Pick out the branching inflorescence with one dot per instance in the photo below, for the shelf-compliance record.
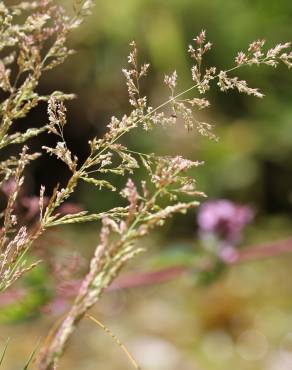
(39, 45)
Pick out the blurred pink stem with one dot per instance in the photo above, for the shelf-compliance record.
(267, 250)
(134, 280)
(248, 254)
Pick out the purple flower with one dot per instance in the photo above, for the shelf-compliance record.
(224, 220)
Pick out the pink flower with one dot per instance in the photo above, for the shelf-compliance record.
(224, 220)
(32, 206)
(8, 187)
(69, 208)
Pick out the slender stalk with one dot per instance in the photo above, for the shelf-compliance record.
(58, 338)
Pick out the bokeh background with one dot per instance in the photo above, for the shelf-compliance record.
(243, 319)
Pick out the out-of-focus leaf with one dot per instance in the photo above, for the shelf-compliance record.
(179, 254)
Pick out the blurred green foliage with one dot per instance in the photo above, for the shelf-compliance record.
(36, 295)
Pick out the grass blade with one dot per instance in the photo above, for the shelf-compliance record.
(116, 339)
(4, 351)
(31, 357)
